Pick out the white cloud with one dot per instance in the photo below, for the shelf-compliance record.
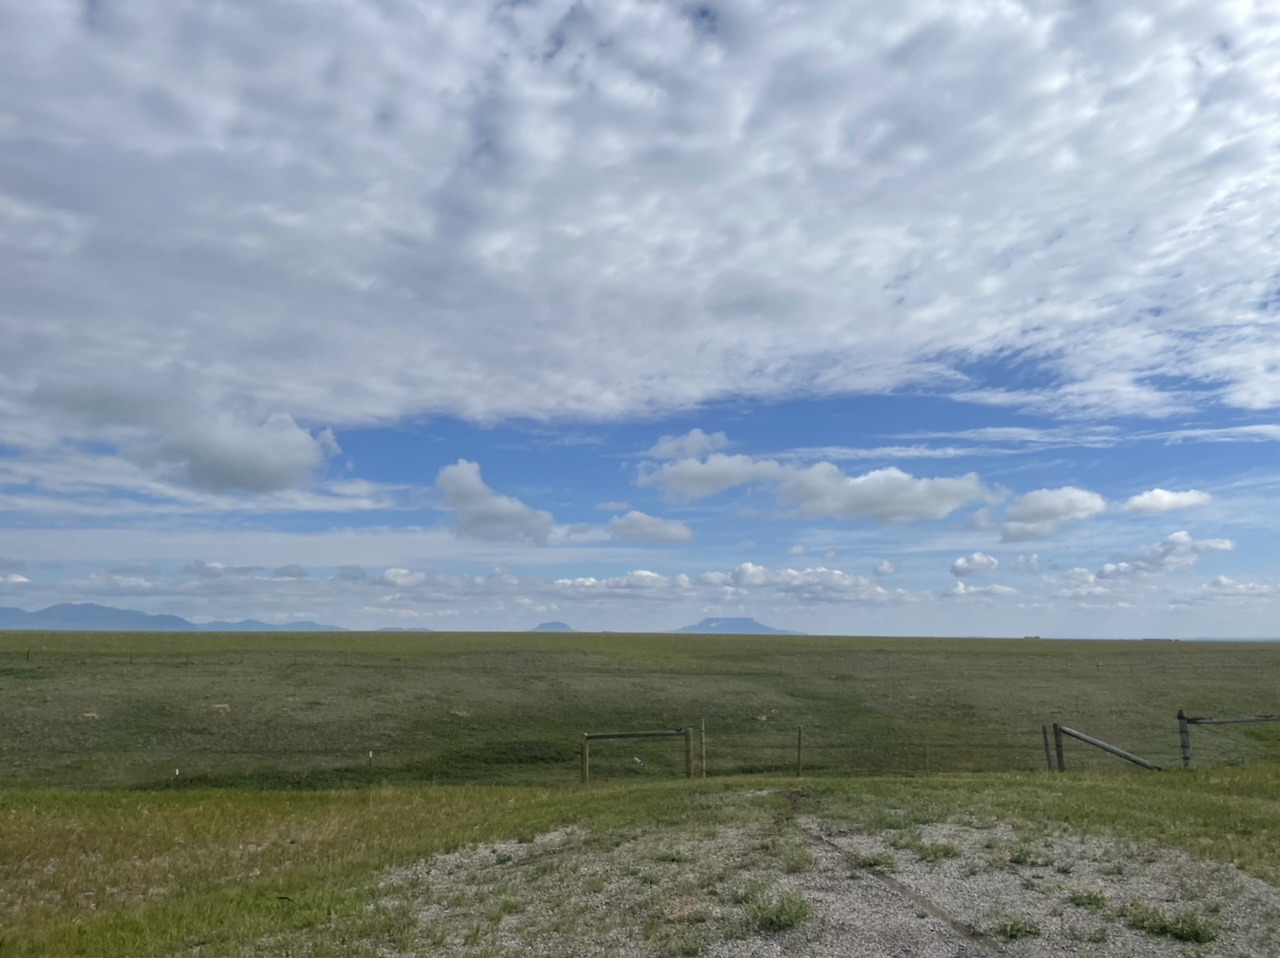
(1162, 500)
(821, 490)
(1225, 587)
(886, 495)
(976, 564)
(1037, 514)
(691, 479)
(13, 578)
(1077, 583)
(884, 568)
(638, 527)
(1176, 551)
(797, 550)
(692, 445)
(217, 570)
(962, 589)
(484, 514)
(1029, 563)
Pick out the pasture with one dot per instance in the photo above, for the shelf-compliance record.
(305, 710)
(924, 807)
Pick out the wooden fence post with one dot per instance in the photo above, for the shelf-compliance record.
(1048, 759)
(1184, 736)
(688, 752)
(1057, 742)
(704, 748)
(799, 749)
(586, 758)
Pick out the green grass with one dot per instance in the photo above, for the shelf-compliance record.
(1012, 929)
(304, 710)
(1090, 900)
(772, 915)
(278, 821)
(1184, 926)
(152, 873)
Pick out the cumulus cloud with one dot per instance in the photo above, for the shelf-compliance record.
(886, 495)
(291, 572)
(821, 490)
(963, 589)
(975, 564)
(216, 570)
(1076, 583)
(1223, 586)
(1176, 551)
(691, 479)
(1038, 514)
(884, 568)
(223, 454)
(163, 425)
(692, 445)
(13, 578)
(484, 514)
(1029, 563)
(638, 527)
(1162, 500)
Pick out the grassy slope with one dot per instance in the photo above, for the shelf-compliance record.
(144, 873)
(305, 709)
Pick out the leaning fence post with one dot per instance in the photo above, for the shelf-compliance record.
(1048, 759)
(1184, 735)
(1057, 742)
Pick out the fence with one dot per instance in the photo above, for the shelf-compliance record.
(279, 717)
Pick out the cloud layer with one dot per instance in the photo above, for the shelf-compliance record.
(605, 210)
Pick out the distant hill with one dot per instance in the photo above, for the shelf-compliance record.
(253, 625)
(401, 628)
(553, 627)
(90, 617)
(732, 626)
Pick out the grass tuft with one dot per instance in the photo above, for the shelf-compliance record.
(1184, 926)
(786, 911)
(1011, 929)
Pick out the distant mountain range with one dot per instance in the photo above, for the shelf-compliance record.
(88, 617)
(733, 627)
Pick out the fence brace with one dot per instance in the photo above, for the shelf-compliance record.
(1060, 730)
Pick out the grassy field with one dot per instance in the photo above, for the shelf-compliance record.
(271, 837)
(305, 710)
(144, 873)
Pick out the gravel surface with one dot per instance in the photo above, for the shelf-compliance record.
(937, 891)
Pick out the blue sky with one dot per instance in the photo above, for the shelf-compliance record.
(917, 318)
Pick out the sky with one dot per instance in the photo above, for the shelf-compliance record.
(928, 318)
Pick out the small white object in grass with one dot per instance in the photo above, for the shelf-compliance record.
(638, 762)
(175, 773)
